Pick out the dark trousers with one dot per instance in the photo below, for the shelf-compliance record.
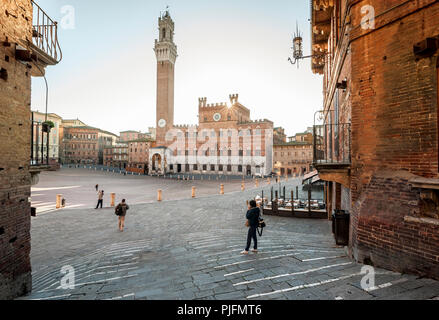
(100, 202)
(252, 234)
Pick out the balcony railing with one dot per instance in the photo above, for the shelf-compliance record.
(332, 144)
(45, 36)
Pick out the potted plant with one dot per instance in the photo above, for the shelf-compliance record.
(47, 125)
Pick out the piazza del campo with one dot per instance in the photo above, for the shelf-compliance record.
(347, 202)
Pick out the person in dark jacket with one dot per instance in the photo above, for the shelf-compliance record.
(252, 216)
(121, 211)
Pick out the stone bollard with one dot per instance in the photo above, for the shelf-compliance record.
(286, 177)
(112, 199)
(222, 189)
(269, 181)
(159, 195)
(257, 183)
(242, 186)
(193, 192)
(58, 201)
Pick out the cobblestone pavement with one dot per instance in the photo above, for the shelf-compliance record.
(78, 188)
(190, 249)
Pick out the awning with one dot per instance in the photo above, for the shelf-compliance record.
(311, 178)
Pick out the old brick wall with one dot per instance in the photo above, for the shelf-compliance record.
(15, 179)
(394, 127)
(385, 236)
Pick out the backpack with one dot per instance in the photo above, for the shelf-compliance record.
(118, 210)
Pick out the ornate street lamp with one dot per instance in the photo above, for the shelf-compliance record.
(298, 49)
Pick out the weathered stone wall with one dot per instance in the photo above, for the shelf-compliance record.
(15, 179)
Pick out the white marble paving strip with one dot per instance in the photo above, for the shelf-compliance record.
(303, 286)
(323, 258)
(292, 274)
(248, 261)
(269, 252)
(122, 297)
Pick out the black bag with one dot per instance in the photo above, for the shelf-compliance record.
(118, 210)
(261, 226)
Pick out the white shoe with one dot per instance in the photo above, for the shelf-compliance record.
(255, 251)
(244, 252)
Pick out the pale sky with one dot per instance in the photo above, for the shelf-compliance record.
(107, 77)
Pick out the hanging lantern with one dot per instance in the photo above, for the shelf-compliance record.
(297, 47)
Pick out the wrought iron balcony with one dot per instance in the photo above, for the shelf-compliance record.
(44, 45)
(332, 145)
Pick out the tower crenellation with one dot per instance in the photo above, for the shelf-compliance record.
(233, 98)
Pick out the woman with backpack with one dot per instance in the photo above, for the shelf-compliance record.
(121, 211)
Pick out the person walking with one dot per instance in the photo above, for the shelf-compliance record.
(121, 212)
(100, 199)
(252, 216)
(97, 187)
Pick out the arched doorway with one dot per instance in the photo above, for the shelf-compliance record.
(156, 163)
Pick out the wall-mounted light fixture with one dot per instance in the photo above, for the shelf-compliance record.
(342, 85)
(298, 49)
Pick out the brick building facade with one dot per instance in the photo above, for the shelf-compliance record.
(21, 57)
(225, 141)
(80, 145)
(377, 146)
(138, 155)
(293, 158)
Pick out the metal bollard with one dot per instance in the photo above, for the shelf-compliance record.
(159, 195)
(58, 201)
(222, 189)
(193, 192)
(112, 199)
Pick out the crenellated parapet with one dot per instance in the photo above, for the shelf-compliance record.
(182, 126)
(233, 98)
(257, 121)
(202, 102)
(217, 105)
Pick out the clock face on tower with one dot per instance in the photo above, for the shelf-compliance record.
(217, 117)
(162, 123)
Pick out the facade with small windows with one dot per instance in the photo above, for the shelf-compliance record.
(131, 135)
(80, 145)
(138, 155)
(116, 156)
(294, 158)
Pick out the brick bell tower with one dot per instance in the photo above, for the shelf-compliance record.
(166, 53)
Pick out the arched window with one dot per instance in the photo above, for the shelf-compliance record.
(163, 33)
